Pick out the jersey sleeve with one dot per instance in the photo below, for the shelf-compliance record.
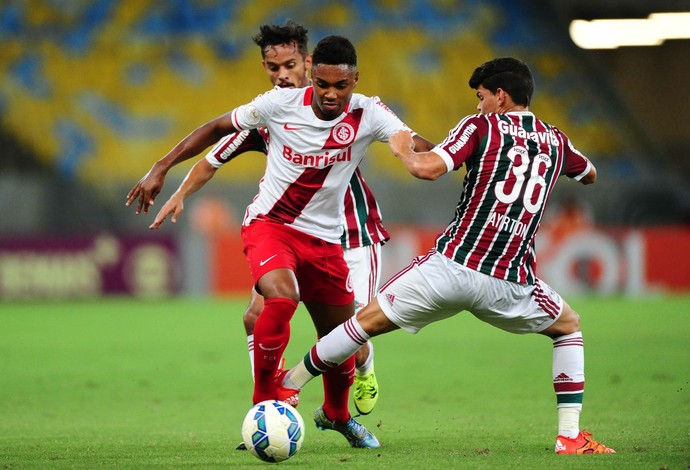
(236, 144)
(576, 165)
(462, 141)
(385, 122)
(255, 114)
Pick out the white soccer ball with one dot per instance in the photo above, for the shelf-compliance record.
(273, 431)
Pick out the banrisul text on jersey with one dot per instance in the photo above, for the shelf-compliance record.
(326, 159)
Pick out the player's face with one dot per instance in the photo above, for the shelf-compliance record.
(333, 86)
(286, 67)
(488, 102)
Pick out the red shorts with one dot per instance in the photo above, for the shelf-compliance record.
(320, 268)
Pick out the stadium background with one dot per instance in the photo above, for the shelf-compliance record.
(93, 92)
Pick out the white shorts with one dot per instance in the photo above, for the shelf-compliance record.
(435, 287)
(365, 272)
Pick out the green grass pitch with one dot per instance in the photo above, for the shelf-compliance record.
(166, 383)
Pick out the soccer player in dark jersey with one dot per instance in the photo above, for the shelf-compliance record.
(286, 61)
(484, 261)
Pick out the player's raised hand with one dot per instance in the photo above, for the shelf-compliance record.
(173, 206)
(146, 190)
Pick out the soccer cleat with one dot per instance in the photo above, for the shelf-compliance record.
(356, 434)
(366, 392)
(582, 444)
(284, 394)
(241, 446)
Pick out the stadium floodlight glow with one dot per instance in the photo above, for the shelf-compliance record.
(672, 25)
(613, 33)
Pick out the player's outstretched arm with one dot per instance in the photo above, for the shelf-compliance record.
(424, 165)
(198, 176)
(148, 187)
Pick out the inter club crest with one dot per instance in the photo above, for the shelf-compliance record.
(343, 133)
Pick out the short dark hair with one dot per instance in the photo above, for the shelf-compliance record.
(508, 73)
(276, 35)
(334, 50)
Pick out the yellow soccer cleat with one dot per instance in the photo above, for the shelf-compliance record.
(366, 392)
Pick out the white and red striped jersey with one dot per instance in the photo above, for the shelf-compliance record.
(513, 161)
(362, 216)
(311, 162)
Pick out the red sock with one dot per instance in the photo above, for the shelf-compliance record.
(336, 387)
(271, 336)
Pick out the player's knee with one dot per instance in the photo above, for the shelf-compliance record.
(566, 324)
(373, 321)
(576, 322)
(571, 321)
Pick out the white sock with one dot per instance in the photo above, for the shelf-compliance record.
(368, 365)
(297, 377)
(569, 381)
(250, 346)
(569, 421)
(341, 343)
(331, 350)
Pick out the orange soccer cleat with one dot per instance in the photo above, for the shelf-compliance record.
(582, 444)
(284, 394)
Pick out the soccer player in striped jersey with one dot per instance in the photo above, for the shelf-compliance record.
(285, 59)
(484, 261)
